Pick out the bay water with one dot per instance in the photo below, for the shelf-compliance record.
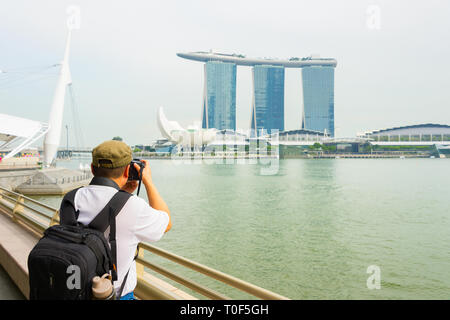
(316, 229)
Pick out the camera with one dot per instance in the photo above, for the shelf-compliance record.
(133, 174)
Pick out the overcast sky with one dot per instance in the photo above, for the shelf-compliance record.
(124, 64)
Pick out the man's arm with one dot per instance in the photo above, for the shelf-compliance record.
(154, 198)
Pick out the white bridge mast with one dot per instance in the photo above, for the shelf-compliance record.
(53, 136)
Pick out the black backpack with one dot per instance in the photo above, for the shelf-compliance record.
(65, 260)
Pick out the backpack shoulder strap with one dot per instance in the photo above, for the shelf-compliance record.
(107, 217)
(101, 222)
(67, 213)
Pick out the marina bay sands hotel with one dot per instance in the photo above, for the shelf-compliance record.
(267, 110)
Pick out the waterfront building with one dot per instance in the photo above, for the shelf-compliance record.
(268, 93)
(300, 136)
(219, 98)
(18, 134)
(423, 134)
(267, 111)
(318, 99)
(175, 134)
(163, 146)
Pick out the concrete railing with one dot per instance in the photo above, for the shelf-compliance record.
(19, 163)
(37, 216)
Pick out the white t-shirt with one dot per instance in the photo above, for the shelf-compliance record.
(136, 222)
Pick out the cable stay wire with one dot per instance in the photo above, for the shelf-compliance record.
(15, 77)
(79, 138)
(7, 78)
(33, 69)
(24, 82)
(9, 71)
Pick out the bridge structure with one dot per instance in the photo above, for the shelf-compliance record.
(63, 152)
(18, 134)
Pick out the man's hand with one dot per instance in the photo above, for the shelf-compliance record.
(146, 173)
(130, 186)
(154, 198)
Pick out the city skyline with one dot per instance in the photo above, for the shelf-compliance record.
(123, 62)
(268, 87)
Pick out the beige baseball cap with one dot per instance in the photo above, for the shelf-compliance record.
(111, 154)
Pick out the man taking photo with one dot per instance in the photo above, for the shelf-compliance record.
(138, 221)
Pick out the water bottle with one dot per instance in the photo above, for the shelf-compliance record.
(102, 288)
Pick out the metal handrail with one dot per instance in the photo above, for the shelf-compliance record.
(27, 206)
(28, 199)
(187, 283)
(223, 277)
(14, 204)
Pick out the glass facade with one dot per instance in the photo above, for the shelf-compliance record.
(268, 103)
(318, 99)
(219, 100)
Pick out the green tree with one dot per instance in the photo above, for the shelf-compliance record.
(117, 138)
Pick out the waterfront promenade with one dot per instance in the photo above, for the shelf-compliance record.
(8, 289)
(23, 221)
(311, 230)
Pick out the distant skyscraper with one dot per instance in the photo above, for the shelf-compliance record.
(219, 97)
(268, 98)
(318, 98)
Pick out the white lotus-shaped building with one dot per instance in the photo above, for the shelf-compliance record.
(175, 133)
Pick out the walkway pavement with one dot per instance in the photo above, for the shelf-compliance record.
(8, 290)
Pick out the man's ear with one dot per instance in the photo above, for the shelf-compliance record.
(92, 169)
(126, 172)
